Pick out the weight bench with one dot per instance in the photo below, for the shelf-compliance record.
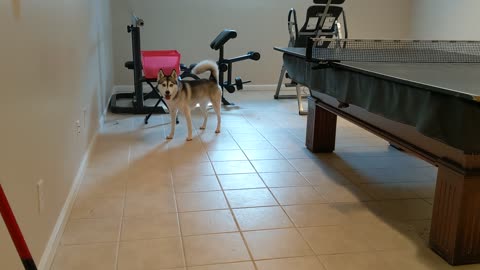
(322, 20)
(225, 64)
(137, 98)
(145, 66)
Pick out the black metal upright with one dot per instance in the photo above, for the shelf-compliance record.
(136, 104)
(137, 64)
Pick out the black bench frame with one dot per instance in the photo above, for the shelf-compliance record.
(226, 64)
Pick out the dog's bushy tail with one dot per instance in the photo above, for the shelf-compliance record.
(207, 65)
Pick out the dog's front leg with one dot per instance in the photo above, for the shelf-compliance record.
(188, 117)
(173, 124)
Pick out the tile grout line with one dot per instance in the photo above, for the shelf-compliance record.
(297, 229)
(117, 252)
(231, 210)
(278, 203)
(178, 221)
(283, 209)
(250, 254)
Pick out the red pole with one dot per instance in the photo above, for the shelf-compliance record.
(15, 232)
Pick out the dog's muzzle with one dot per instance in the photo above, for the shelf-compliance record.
(167, 95)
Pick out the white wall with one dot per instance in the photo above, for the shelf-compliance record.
(190, 25)
(56, 60)
(444, 19)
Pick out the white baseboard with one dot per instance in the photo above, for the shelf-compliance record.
(247, 87)
(267, 87)
(103, 116)
(101, 121)
(128, 89)
(46, 260)
(259, 87)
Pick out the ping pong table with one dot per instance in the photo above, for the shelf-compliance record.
(429, 109)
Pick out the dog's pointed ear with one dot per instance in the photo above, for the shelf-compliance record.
(161, 74)
(174, 73)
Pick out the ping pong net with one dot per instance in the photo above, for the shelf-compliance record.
(399, 51)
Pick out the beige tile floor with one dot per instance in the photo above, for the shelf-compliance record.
(250, 198)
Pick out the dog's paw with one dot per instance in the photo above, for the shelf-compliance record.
(203, 128)
(189, 139)
(169, 137)
(217, 131)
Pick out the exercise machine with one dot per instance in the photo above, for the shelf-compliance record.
(226, 64)
(136, 100)
(322, 20)
(145, 66)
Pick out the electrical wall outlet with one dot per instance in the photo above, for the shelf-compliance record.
(41, 195)
(78, 127)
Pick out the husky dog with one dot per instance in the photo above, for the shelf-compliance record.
(185, 95)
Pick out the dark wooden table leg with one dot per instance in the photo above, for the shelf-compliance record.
(321, 128)
(455, 231)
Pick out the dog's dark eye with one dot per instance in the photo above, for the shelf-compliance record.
(171, 85)
(164, 85)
